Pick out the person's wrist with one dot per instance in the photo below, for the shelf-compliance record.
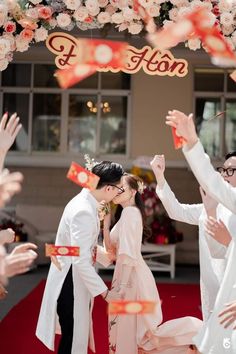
(104, 295)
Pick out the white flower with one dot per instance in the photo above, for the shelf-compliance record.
(52, 23)
(180, 3)
(40, 34)
(173, 14)
(153, 10)
(122, 27)
(114, 3)
(230, 43)
(4, 46)
(225, 5)
(11, 40)
(63, 20)
(81, 14)
(102, 3)
(135, 28)
(122, 4)
(128, 14)
(21, 44)
(194, 43)
(104, 17)
(117, 18)
(92, 6)
(3, 64)
(32, 12)
(196, 4)
(233, 38)
(146, 3)
(110, 9)
(226, 19)
(167, 23)
(35, 2)
(94, 12)
(227, 30)
(183, 11)
(72, 4)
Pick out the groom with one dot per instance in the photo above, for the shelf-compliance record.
(68, 293)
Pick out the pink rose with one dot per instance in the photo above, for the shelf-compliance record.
(45, 12)
(27, 34)
(104, 17)
(10, 27)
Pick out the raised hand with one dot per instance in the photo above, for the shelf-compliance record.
(184, 126)
(158, 167)
(24, 248)
(9, 128)
(218, 231)
(7, 236)
(210, 204)
(18, 263)
(10, 184)
(228, 316)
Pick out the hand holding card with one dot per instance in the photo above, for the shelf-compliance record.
(179, 141)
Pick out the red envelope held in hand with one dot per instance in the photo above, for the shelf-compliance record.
(179, 141)
(82, 177)
(123, 307)
(52, 250)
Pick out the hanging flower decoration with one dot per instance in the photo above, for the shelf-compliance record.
(23, 22)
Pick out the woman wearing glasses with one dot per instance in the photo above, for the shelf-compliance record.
(132, 334)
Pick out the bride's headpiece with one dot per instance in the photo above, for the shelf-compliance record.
(141, 186)
(90, 163)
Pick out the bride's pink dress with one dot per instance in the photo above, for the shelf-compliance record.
(143, 334)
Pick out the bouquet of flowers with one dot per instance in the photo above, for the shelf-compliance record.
(162, 227)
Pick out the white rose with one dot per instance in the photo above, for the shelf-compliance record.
(146, 3)
(5, 46)
(3, 9)
(135, 28)
(40, 34)
(117, 18)
(122, 4)
(225, 5)
(63, 20)
(102, 3)
(226, 19)
(94, 12)
(227, 30)
(11, 40)
(52, 22)
(104, 17)
(114, 3)
(81, 14)
(32, 13)
(128, 14)
(233, 38)
(3, 64)
(92, 6)
(72, 4)
(3, 19)
(153, 10)
(195, 4)
(183, 11)
(110, 9)
(35, 2)
(122, 27)
(173, 14)
(194, 43)
(21, 44)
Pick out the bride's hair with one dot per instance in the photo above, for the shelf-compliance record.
(137, 184)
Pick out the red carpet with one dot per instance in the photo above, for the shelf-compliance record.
(18, 327)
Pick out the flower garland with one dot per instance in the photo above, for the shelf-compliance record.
(23, 22)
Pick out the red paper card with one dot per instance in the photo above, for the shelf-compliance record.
(179, 141)
(123, 307)
(82, 177)
(74, 74)
(102, 53)
(52, 250)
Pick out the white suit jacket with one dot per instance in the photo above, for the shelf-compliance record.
(79, 226)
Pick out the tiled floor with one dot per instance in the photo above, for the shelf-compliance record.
(21, 285)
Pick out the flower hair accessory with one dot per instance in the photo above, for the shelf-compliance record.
(141, 187)
(90, 163)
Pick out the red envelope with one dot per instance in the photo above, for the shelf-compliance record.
(102, 53)
(74, 74)
(123, 307)
(179, 141)
(82, 177)
(52, 250)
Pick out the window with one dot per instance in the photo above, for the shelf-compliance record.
(215, 92)
(91, 117)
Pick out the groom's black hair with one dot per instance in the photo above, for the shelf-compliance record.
(109, 173)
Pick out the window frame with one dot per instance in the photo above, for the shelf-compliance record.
(63, 157)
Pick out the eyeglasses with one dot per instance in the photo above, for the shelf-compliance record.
(121, 190)
(229, 171)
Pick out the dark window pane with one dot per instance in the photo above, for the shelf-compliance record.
(90, 83)
(230, 129)
(209, 80)
(113, 125)
(82, 124)
(17, 75)
(116, 81)
(208, 129)
(46, 122)
(44, 75)
(231, 84)
(17, 102)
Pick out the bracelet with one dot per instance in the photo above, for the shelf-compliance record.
(106, 295)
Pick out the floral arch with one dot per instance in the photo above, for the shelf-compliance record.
(24, 22)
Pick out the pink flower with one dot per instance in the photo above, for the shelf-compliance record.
(104, 17)
(81, 14)
(102, 3)
(45, 12)
(153, 10)
(135, 28)
(128, 14)
(226, 19)
(194, 43)
(110, 9)
(32, 13)
(72, 4)
(10, 27)
(4, 46)
(92, 6)
(3, 64)
(21, 44)
(117, 18)
(40, 34)
(27, 34)
(63, 20)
